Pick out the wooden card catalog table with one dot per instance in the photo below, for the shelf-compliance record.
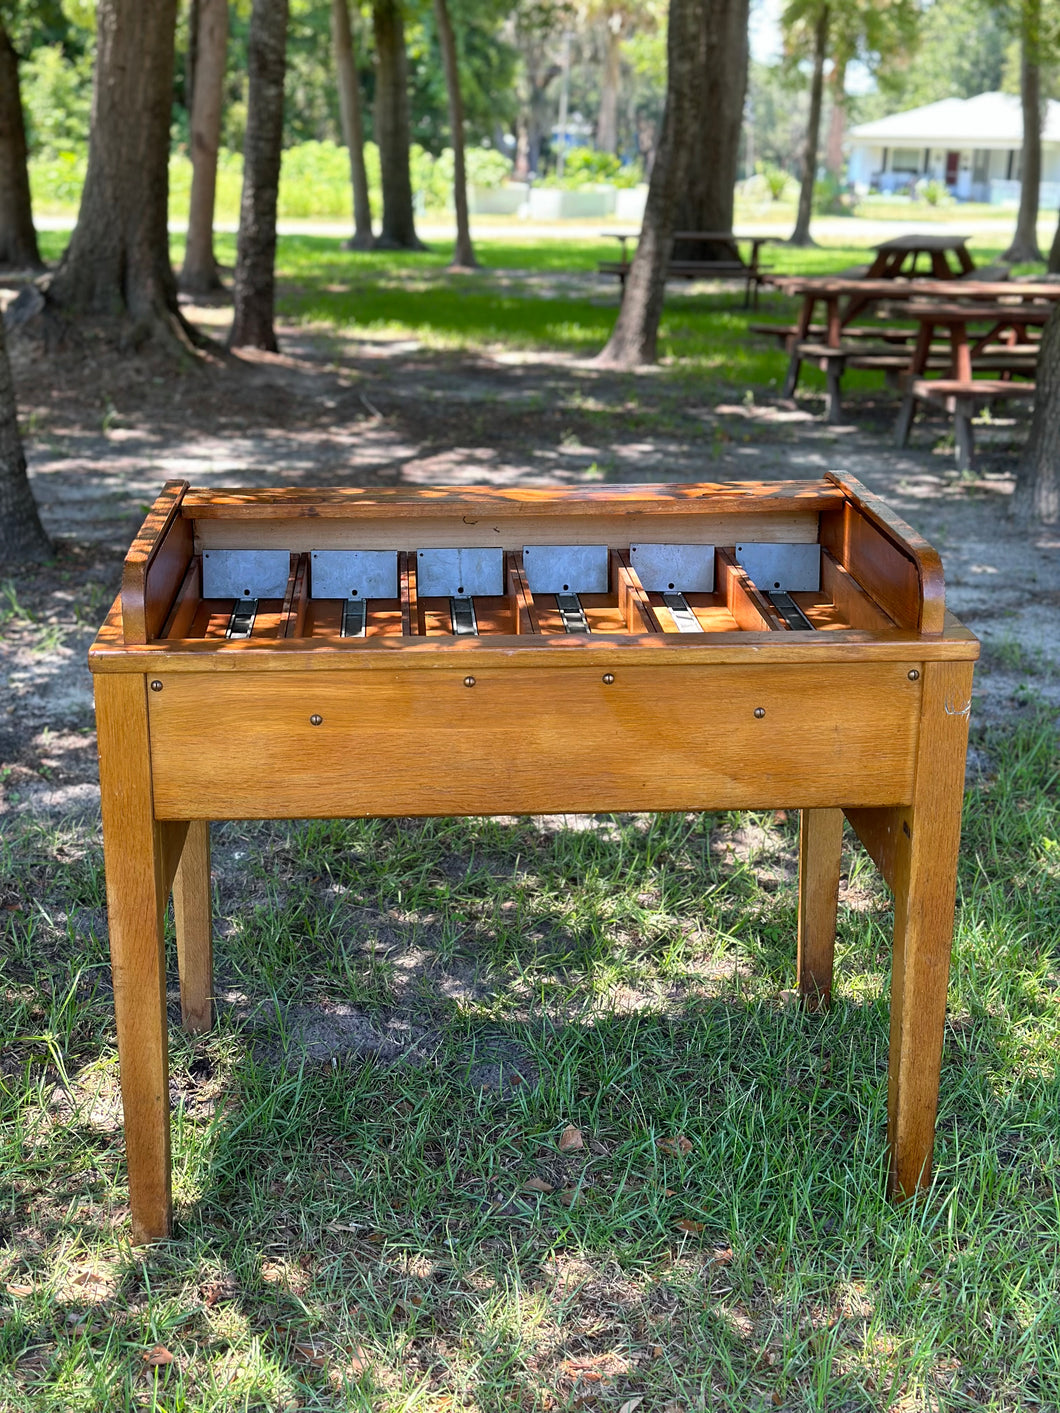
(285, 653)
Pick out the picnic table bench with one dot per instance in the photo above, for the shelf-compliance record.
(700, 255)
(959, 391)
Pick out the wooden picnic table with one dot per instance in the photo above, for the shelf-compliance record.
(958, 389)
(899, 255)
(723, 262)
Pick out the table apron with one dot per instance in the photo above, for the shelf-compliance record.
(532, 741)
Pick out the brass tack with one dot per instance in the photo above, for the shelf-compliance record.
(315, 720)
(608, 678)
(760, 712)
(913, 674)
(469, 681)
(156, 685)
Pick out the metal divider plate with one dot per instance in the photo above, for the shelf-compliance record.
(355, 618)
(353, 574)
(245, 574)
(794, 568)
(566, 569)
(684, 569)
(685, 621)
(459, 573)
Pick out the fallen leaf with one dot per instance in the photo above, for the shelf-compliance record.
(157, 1357)
(18, 1290)
(570, 1140)
(722, 1256)
(789, 998)
(271, 1272)
(536, 1184)
(358, 1359)
(631, 1404)
(569, 1196)
(404, 1108)
(312, 1355)
(678, 1146)
(600, 1149)
(686, 1224)
(777, 1399)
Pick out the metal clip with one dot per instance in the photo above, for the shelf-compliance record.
(241, 623)
(685, 621)
(355, 619)
(462, 614)
(572, 614)
(789, 610)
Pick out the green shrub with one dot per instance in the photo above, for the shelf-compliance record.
(775, 178)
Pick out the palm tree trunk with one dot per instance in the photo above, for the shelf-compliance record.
(200, 274)
(634, 337)
(607, 121)
(255, 282)
(22, 536)
(1025, 242)
(392, 127)
(352, 123)
(18, 239)
(464, 254)
(1037, 493)
(801, 234)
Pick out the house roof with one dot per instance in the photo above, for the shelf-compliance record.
(988, 120)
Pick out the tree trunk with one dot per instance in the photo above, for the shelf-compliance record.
(200, 274)
(255, 281)
(464, 254)
(1054, 253)
(117, 262)
(352, 123)
(801, 234)
(1037, 494)
(392, 128)
(1025, 242)
(715, 127)
(633, 339)
(18, 239)
(607, 120)
(833, 146)
(22, 536)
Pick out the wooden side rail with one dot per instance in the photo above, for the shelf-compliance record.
(156, 565)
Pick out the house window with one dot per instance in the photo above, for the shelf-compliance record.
(906, 159)
(980, 165)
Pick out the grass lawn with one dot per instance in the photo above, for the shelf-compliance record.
(518, 1114)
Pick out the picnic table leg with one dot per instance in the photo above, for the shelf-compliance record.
(834, 378)
(192, 914)
(820, 849)
(140, 854)
(963, 435)
(906, 413)
(926, 836)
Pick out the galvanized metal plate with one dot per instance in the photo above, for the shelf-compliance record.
(688, 569)
(796, 568)
(566, 569)
(459, 573)
(245, 574)
(353, 574)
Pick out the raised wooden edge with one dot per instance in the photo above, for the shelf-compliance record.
(925, 557)
(373, 501)
(149, 539)
(110, 654)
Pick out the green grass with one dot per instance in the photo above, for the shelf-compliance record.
(355, 1232)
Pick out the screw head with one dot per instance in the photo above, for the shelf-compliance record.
(760, 712)
(469, 681)
(913, 675)
(156, 685)
(315, 720)
(608, 678)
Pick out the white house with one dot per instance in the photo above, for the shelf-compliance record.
(974, 145)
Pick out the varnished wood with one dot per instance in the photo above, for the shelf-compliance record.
(656, 738)
(925, 873)
(193, 917)
(820, 849)
(133, 853)
(524, 718)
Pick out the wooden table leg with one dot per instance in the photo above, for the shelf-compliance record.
(194, 924)
(137, 853)
(925, 844)
(820, 846)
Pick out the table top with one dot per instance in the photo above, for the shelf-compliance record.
(952, 313)
(835, 286)
(915, 241)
